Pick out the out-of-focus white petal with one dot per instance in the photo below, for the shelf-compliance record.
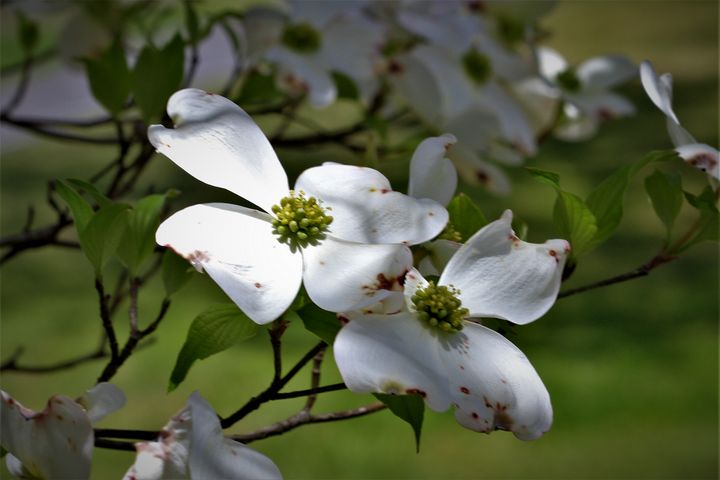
(262, 28)
(54, 443)
(214, 456)
(15, 467)
(431, 174)
(150, 463)
(448, 31)
(501, 276)
(550, 63)
(476, 128)
(101, 400)
(415, 83)
(478, 172)
(514, 124)
(215, 141)
(701, 156)
(659, 89)
(576, 126)
(441, 251)
(506, 64)
(487, 379)
(305, 74)
(540, 102)
(602, 73)
(351, 45)
(236, 247)
(603, 105)
(322, 13)
(342, 276)
(366, 209)
(678, 135)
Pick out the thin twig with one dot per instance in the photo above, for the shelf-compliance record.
(106, 320)
(12, 365)
(314, 380)
(311, 393)
(56, 134)
(22, 85)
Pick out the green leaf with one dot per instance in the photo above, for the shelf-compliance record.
(543, 176)
(28, 32)
(708, 225)
(213, 331)
(138, 241)
(100, 238)
(158, 73)
(575, 222)
(345, 85)
(191, 21)
(410, 408)
(465, 216)
(320, 322)
(606, 203)
(666, 195)
(258, 88)
(90, 189)
(176, 272)
(81, 210)
(109, 78)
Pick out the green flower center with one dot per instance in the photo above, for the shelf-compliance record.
(449, 233)
(300, 221)
(510, 30)
(301, 37)
(477, 66)
(439, 307)
(569, 81)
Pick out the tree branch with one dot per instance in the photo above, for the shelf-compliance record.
(311, 392)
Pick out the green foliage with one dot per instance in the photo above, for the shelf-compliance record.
(213, 331)
(320, 322)
(666, 195)
(548, 178)
(100, 238)
(28, 33)
(465, 216)
(109, 78)
(257, 89)
(708, 225)
(410, 408)
(84, 187)
(158, 73)
(575, 222)
(81, 210)
(191, 21)
(138, 242)
(176, 272)
(346, 87)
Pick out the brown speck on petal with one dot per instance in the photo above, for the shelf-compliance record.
(465, 390)
(258, 285)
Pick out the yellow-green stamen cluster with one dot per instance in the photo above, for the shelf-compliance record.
(569, 81)
(449, 233)
(301, 37)
(300, 221)
(439, 307)
(477, 66)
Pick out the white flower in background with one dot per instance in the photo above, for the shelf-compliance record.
(586, 90)
(192, 445)
(313, 40)
(659, 89)
(432, 175)
(57, 442)
(342, 229)
(430, 349)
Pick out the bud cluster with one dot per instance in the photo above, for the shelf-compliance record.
(300, 221)
(439, 307)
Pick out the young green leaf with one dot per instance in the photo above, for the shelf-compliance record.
(320, 322)
(138, 241)
(90, 189)
(575, 222)
(176, 272)
(345, 85)
(28, 32)
(109, 78)
(100, 238)
(465, 216)
(410, 408)
(543, 176)
(708, 225)
(665, 191)
(158, 73)
(258, 88)
(211, 332)
(81, 210)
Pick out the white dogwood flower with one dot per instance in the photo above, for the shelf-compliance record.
(659, 89)
(192, 445)
(58, 441)
(430, 348)
(342, 229)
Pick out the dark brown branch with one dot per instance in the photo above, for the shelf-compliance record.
(114, 445)
(305, 418)
(23, 83)
(310, 392)
(315, 380)
(12, 364)
(126, 434)
(56, 134)
(106, 319)
(641, 271)
(57, 122)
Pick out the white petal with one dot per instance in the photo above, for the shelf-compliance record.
(479, 172)
(431, 174)
(550, 63)
(366, 209)
(576, 126)
(54, 443)
(214, 456)
(701, 156)
(603, 105)
(659, 89)
(342, 276)
(216, 142)
(678, 135)
(415, 83)
(514, 123)
(441, 251)
(149, 462)
(305, 74)
(351, 45)
(322, 13)
(15, 467)
(414, 281)
(488, 380)
(476, 128)
(236, 247)
(500, 276)
(262, 30)
(539, 101)
(602, 73)
(447, 31)
(506, 64)
(101, 400)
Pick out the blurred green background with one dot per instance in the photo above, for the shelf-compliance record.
(632, 369)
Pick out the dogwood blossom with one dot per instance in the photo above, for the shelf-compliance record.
(191, 445)
(57, 442)
(659, 89)
(431, 349)
(585, 90)
(258, 258)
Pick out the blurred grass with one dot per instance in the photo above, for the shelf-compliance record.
(632, 369)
